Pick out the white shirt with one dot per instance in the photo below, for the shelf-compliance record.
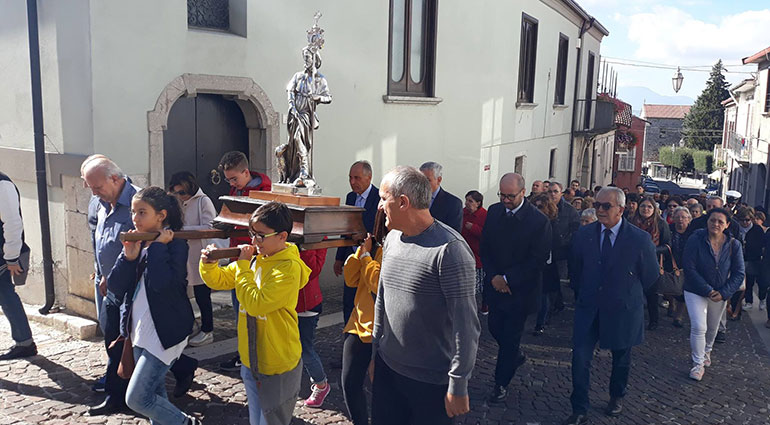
(11, 218)
(143, 333)
(515, 210)
(614, 235)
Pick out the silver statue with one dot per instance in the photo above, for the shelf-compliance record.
(306, 89)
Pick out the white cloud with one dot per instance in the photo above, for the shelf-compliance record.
(671, 35)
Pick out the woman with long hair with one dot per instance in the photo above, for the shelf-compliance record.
(648, 218)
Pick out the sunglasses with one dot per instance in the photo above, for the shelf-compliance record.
(603, 205)
(259, 237)
(180, 193)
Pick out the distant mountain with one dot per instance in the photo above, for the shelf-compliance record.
(637, 96)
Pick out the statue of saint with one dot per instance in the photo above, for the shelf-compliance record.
(305, 91)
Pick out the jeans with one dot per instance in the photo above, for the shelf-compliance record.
(255, 410)
(311, 360)
(506, 326)
(705, 316)
(13, 310)
(400, 400)
(146, 392)
(582, 354)
(203, 298)
(356, 356)
(114, 385)
(98, 298)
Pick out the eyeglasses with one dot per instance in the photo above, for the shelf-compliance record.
(507, 196)
(603, 205)
(258, 237)
(179, 193)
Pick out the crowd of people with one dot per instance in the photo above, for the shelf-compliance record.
(414, 289)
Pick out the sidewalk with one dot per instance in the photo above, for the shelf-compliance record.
(54, 387)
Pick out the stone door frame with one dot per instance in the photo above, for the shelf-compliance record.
(261, 118)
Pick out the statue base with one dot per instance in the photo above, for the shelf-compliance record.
(294, 190)
(296, 198)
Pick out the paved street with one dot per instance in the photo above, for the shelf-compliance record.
(54, 387)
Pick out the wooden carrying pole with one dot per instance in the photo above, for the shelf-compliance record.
(220, 253)
(185, 234)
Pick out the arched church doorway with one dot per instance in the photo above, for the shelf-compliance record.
(200, 130)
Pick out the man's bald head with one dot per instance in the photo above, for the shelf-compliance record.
(511, 190)
(514, 179)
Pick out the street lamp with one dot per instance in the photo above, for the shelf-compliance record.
(677, 80)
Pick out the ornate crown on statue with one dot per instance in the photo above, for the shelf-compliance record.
(315, 35)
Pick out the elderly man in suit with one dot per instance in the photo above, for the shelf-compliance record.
(365, 195)
(515, 244)
(612, 264)
(444, 206)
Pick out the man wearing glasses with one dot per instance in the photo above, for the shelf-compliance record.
(515, 244)
(612, 264)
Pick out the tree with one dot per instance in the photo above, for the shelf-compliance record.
(702, 126)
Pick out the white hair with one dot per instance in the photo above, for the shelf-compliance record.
(620, 197)
(105, 166)
(589, 212)
(684, 210)
(433, 166)
(410, 182)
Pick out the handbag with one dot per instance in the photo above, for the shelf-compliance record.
(127, 362)
(21, 279)
(670, 283)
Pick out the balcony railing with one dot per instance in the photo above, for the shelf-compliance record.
(594, 116)
(739, 147)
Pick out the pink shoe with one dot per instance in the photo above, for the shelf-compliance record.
(318, 395)
(707, 359)
(697, 372)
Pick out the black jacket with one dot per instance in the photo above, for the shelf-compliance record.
(448, 209)
(563, 228)
(371, 211)
(516, 247)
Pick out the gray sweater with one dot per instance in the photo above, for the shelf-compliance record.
(425, 322)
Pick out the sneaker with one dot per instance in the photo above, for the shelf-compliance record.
(664, 304)
(202, 338)
(762, 304)
(98, 386)
(318, 395)
(747, 306)
(707, 359)
(484, 309)
(19, 351)
(697, 372)
(232, 365)
(538, 331)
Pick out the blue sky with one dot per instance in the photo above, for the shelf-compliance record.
(681, 33)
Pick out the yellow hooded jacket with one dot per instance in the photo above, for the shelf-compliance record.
(268, 291)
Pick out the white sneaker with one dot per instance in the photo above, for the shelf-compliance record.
(747, 306)
(762, 304)
(697, 372)
(202, 338)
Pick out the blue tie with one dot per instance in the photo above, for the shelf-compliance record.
(359, 201)
(606, 248)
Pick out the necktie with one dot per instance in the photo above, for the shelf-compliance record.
(606, 248)
(509, 213)
(359, 201)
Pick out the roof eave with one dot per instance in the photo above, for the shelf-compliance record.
(759, 57)
(583, 14)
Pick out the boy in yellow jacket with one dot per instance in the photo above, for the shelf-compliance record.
(268, 337)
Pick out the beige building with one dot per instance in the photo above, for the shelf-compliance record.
(482, 87)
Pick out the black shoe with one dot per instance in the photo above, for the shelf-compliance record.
(19, 351)
(538, 331)
(576, 419)
(521, 360)
(183, 385)
(232, 365)
(652, 326)
(678, 323)
(721, 337)
(614, 407)
(98, 386)
(107, 407)
(498, 395)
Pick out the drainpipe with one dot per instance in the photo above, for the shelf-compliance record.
(40, 173)
(583, 28)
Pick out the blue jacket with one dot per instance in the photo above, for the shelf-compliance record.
(165, 281)
(448, 209)
(614, 294)
(702, 273)
(369, 214)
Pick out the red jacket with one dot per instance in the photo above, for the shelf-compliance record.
(310, 295)
(473, 235)
(265, 185)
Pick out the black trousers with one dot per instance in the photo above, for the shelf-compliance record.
(506, 326)
(356, 356)
(652, 304)
(582, 355)
(203, 298)
(398, 400)
(348, 301)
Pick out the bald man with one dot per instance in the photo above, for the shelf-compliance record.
(515, 245)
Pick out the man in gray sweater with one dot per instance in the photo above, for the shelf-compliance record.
(426, 330)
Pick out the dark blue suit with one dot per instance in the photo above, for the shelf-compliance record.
(370, 207)
(448, 209)
(610, 303)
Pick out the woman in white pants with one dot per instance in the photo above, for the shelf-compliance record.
(713, 271)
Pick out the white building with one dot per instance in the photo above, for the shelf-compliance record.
(745, 146)
(483, 87)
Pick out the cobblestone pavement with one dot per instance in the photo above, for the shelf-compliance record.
(54, 387)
